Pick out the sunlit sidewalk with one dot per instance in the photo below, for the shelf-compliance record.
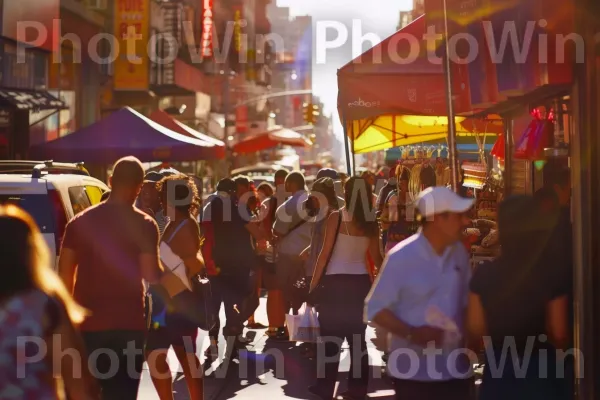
(268, 369)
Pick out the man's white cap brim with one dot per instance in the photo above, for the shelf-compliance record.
(440, 200)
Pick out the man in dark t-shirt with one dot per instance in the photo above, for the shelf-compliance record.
(235, 262)
(107, 252)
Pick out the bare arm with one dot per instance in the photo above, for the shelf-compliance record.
(375, 252)
(328, 243)
(68, 263)
(151, 267)
(67, 267)
(388, 321)
(188, 245)
(421, 335)
(385, 217)
(556, 322)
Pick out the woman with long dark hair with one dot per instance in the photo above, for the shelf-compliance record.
(340, 284)
(170, 325)
(35, 303)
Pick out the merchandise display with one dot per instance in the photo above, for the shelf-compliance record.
(482, 235)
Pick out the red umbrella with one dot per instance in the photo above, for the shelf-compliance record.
(270, 139)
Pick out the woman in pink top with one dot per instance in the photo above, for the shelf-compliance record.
(34, 303)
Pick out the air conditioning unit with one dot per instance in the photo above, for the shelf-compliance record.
(97, 5)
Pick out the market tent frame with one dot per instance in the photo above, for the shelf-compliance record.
(393, 78)
(125, 132)
(405, 101)
(164, 119)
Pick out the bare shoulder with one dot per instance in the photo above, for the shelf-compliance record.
(333, 218)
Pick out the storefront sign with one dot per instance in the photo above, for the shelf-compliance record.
(207, 28)
(132, 25)
(237, 29)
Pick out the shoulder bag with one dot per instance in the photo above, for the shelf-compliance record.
(195, 303)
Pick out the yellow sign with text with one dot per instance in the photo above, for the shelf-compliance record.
(132, 32)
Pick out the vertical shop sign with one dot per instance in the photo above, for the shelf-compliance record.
(132, 25)
(237, 29)
(207, 28)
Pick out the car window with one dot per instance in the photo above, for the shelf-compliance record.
(79, 199)
(39, 206)
(94, 194)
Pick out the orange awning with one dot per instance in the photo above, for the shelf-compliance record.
(164, 119)
(269, 139)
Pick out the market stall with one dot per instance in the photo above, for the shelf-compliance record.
(124, 133)
(384, 103)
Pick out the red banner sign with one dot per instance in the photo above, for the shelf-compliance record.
(207, 28)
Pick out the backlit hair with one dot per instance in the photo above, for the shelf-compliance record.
(358, 196)
(184, 190)
(27, 263)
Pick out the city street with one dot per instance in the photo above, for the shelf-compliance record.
(263, 379)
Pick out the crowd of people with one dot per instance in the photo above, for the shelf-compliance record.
(359, 257)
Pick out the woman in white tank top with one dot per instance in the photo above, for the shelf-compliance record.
(341, 282)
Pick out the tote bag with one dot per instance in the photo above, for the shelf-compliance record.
(195, 303)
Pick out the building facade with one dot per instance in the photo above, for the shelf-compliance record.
(292, 70)
(24, 59)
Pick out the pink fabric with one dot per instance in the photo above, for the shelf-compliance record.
(21, 317)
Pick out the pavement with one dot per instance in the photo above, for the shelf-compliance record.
(269, 369)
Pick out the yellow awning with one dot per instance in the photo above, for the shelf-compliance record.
(387, 131)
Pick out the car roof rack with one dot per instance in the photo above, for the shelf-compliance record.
(52, 167)
(25, 167)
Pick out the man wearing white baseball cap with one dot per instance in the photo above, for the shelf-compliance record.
(420, 298)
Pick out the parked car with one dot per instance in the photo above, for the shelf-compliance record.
(53, 194)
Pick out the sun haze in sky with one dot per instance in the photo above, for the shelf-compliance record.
(380, 17)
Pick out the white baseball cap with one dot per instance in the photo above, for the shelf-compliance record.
(439, 199)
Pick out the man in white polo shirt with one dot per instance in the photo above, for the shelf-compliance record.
(420, 298)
